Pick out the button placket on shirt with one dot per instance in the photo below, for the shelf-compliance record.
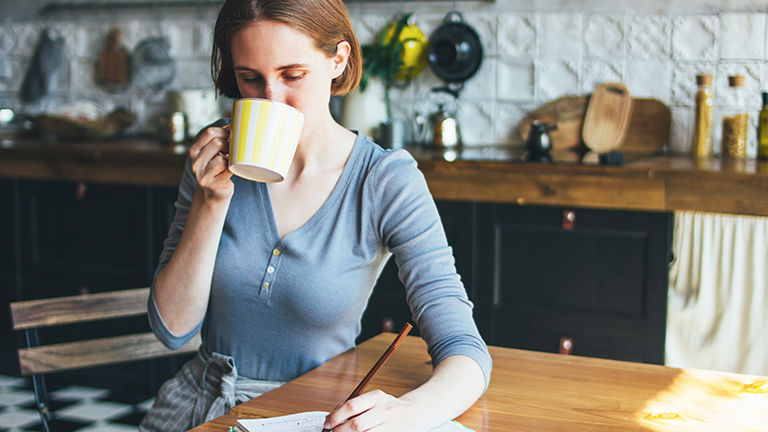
(269, 275)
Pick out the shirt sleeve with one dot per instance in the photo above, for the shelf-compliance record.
(186, 191)
(408, 221)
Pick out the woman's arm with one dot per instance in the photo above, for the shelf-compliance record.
(455, 384)
(182, 288)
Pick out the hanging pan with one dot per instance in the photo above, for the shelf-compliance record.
(455, 51)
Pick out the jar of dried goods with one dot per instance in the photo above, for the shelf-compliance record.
(735, 120)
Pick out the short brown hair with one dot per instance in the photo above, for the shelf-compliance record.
(326, 22)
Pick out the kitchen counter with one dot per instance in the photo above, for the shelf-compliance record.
(489, 174)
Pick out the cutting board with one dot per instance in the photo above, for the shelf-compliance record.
(567, 113)
(113, 61)
(607, 119)
(649, 124)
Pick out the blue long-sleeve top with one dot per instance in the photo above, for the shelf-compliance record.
(281, 307)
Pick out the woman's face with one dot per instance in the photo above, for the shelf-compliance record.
(274, 61)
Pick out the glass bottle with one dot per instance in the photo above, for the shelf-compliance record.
(702, 128)
(762, 141)
(735, 121)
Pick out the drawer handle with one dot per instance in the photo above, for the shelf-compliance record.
(566, 345)
(387, 325)
(569, 218)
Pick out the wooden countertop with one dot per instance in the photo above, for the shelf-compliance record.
(534, 391)
(643, 182)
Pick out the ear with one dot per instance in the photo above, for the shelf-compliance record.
(340, 58)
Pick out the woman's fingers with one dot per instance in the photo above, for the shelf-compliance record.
(362, 413)
(210, 164)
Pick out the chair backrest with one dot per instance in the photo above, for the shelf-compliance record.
(33, 314)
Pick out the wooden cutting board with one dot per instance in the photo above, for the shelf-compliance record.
(567, 113)
(607, 119)
(649, 125)
(113, 61)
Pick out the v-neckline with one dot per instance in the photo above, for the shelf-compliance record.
(338, 189)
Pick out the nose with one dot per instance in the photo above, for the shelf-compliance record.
(274, 92)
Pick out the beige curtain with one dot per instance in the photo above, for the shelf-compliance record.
(718, 293)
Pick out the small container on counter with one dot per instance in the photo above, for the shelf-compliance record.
(735, 120)
(176, 128)
(701, 146)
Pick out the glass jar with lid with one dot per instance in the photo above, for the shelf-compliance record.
(701, 145)
(734, 120)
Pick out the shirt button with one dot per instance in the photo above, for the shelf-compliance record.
(270, 269)
(266, 285)
(276, 252)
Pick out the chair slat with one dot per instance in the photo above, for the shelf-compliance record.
(97, 352)
(80, 308)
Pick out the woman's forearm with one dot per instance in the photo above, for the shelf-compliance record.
(454, 386)
(182, 288)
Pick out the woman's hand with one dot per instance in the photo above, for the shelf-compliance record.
(210, 163)
(374, 411)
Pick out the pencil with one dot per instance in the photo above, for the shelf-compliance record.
(384, 357)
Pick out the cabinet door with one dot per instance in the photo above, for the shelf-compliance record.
(387, 308)
(598, 278)
(10, 289)
(84, 236)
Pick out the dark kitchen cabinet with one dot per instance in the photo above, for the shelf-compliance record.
(9, 287)
(596, 277)
(540, 274)
(79, 237)
(387, 308)
(72, 238)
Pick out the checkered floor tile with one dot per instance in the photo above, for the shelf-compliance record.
(73, 408)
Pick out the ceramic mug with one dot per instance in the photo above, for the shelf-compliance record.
(263, 139)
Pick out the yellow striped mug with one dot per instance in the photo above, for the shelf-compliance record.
(263, 139)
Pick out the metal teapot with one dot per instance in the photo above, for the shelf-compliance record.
(444, 128)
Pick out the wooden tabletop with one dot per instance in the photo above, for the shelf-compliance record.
(533, 391)
(493, 174)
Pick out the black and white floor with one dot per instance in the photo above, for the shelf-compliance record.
(73, 408)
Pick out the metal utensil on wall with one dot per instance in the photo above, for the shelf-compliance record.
(46, 62)
(455, 55)
(153, 66)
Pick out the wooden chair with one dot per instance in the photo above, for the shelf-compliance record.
(38, 360)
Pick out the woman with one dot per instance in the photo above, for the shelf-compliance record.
(277, 276)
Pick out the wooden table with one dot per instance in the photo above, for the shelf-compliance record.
(533, 391)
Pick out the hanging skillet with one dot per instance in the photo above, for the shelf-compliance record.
(455, 51)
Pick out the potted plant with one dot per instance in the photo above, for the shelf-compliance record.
(397, 57)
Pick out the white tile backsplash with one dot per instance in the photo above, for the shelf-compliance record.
(682, 128)
(561, 34)
(596, 72)
(476, 121)
(649, 79)
(531, 56)
(517, 35)
(684, 80)
(517, 80)
(742, 36)
(752, 72)
(649, 37)
(694, 37)
(604, 35)
(556, 78)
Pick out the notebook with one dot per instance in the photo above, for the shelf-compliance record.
(312, 421)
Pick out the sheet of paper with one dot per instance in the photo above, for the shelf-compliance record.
(312, 421)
